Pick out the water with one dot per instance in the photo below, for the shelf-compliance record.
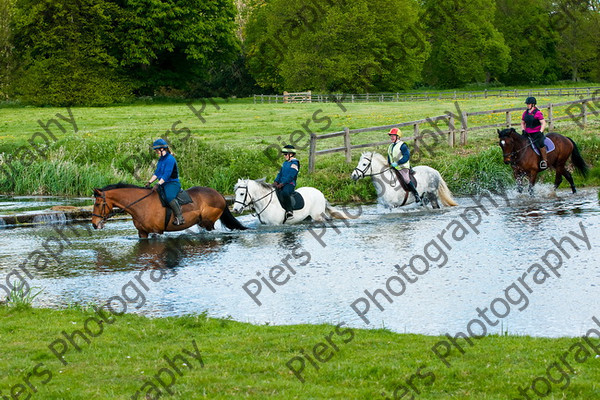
(206, 271)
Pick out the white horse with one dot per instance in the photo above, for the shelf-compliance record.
(262, 199)
(430, 183)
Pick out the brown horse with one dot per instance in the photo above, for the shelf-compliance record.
(524, 161)
(148, 213)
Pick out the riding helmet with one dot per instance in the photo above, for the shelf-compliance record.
(160, 144)
(395, 131)
(531, 100)
(288, 148)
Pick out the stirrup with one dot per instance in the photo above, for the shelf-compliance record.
(289, 215)
(543, 165)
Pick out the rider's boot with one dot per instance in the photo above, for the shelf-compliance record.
(177, 210)
(544, 154)
(414, 192)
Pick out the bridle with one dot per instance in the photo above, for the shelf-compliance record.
(105, 217)
(514, 155)
(253, 202)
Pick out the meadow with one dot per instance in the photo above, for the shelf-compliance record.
(218, 141)
(241, 360)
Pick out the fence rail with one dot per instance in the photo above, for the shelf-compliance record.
(430, 95)
(584, 109)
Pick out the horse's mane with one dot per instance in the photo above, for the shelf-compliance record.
(121, 185)
(374, 155)
(260, 182)
(507, 132)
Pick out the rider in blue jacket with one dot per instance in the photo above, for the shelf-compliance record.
(285, 182)
(167, 174)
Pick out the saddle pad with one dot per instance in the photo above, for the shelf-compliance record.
(549, 145)
(182, 198)
(297, 201)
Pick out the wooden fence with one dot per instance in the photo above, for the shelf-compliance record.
(298, 97)
(425, 96)
(451, 130)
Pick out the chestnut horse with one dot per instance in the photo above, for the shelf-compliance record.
(524, 161)
(148, 213)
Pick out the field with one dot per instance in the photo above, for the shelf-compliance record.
(238, 360)
(226, 140)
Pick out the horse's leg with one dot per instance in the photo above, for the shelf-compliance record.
(532, 180)
(518, 174)
(433, 199)
(142, 234)
(558, 178)
(567, 175)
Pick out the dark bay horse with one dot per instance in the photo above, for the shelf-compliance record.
(524, 161)
(148, 214)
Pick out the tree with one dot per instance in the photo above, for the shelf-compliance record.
(6, 16)
(334, 45)
(578, 44)
(532, 40)
(176, 43)
(466, 47)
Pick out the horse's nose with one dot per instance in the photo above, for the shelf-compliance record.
(95, 225)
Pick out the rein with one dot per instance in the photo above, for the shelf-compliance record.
(253, 202)
(515, 155)
(111, 213)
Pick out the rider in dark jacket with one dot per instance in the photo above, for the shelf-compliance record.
(285, 182)
(167, 174)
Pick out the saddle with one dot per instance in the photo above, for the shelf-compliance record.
(549, 145)
(297, 200)
(411, 173)
(182, 198)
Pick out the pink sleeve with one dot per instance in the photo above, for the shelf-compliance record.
(539, 115)
(523, 116)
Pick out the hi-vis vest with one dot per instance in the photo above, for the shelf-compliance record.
(394, 154)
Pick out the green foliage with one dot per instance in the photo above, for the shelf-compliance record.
(336, 46)
(6, 16)
(21, 298)
(466, 46)
(98, 52)
(531, 39)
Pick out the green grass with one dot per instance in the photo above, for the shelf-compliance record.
(112, 144)
(248, 361)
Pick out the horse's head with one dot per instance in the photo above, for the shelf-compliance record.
(364, 167)
(102, 209)
(509, 144)
(242, 198)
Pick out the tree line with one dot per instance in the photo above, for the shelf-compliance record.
(98, 52)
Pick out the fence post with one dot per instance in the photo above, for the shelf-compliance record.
(463, 130)
(550, 117)
(416, 137)
(584, 111)
(452, 131)
(485, 93)
(312, 153)
(508, 119)
(347, 145)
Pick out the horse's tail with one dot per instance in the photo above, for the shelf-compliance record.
(335, 213)
(230, 221)
(445, 194)
(578, 160)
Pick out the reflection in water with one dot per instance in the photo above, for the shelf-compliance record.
(157, 252)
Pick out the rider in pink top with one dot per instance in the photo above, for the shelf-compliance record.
(533, 125)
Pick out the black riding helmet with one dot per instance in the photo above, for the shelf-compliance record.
(531, 100)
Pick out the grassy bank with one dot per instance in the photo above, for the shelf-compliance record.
(234, 139)
(247, 361)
